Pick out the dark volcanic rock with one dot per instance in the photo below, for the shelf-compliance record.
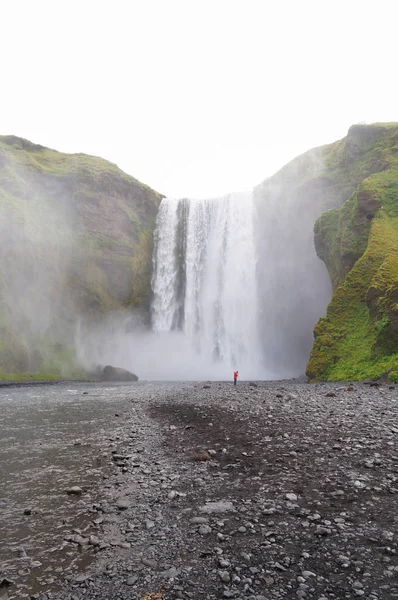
(297, 501)
(115, 374)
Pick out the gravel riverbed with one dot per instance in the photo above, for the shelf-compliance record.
(265, 491)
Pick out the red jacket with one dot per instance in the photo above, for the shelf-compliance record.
(235, 374)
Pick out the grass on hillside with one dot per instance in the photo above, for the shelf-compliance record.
(349, 341)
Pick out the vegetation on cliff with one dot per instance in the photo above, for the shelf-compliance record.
(358, 338)
(294, 289)
(76, 237)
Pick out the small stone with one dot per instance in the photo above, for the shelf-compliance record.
(75, 490)
(132, 580)
(149, 524)
(82, 541)
(357, 585)
(199, 520)
(94, 541)
(269, 511)
(122, 504)
(307, 574)
(224, 576)
(322, 531)
(170, 573)
(291, 497)
(224, 564)
(149, 562)
(217, 507)
(204, 529)
(202, 456)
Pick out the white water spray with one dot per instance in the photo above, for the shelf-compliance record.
(204, 281)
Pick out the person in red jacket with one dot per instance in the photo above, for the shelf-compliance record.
(236, 373)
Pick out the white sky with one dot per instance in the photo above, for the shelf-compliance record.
(195, 97)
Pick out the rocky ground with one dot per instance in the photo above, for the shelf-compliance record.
(259, 492)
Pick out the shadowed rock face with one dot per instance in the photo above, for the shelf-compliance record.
(76, 242)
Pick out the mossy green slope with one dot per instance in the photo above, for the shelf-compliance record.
(294, 292)
(76, 237)
(358, 338)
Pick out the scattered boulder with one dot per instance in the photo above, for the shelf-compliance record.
(75, 490)
(123, 504)
(202, 456)
(110, 373)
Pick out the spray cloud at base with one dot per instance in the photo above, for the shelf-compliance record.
(120, 340)
(236, 284)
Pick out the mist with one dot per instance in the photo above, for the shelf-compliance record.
(37, 244)
(124, 341)
(236, 283)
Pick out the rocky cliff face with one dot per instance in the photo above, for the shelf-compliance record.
(358, 242)
(347, 179)
(76, 241)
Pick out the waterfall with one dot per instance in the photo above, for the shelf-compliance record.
(204, 281)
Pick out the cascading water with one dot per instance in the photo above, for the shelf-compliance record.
(204, 281)
(236, 285)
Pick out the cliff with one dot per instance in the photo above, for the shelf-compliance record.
(76, 242)
(358, 242)
(347, 179)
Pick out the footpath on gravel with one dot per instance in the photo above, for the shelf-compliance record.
(260, 492)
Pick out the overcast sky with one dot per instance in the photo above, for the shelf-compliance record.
(195, 97)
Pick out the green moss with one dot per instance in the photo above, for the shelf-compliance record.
(26, 376)
(359, 336)
(359, 245)
(393, 376)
